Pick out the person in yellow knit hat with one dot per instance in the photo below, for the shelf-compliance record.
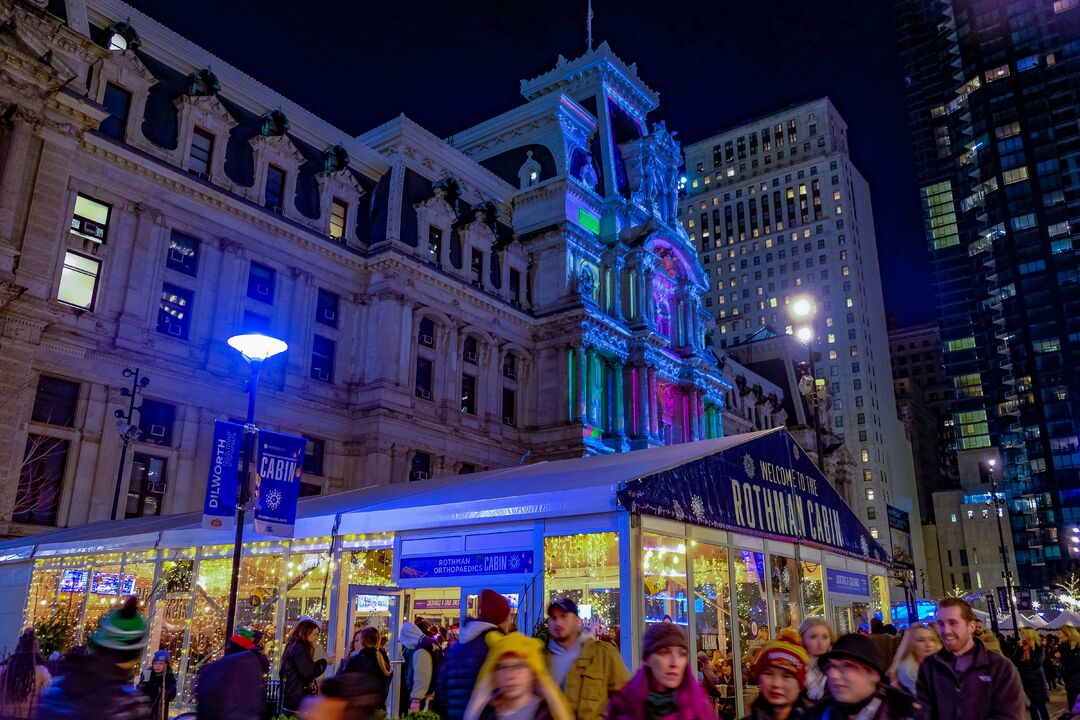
(514, 683)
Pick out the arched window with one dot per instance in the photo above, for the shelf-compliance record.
(468, 353)
(425, 334)
(510, 366)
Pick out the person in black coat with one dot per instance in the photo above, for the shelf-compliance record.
(1069, 651)
(159, 684)
(1029, 659)
(370, 660)
(299, 668)
(455, 683)
(234, 687)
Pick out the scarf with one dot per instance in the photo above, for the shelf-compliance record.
(660, 704)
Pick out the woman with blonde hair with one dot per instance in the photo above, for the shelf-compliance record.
(919, 643)
(1028, 659)
(817, 638)
(1069, 650)
(514, 682)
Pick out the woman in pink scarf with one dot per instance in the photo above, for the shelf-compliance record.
(664, 688)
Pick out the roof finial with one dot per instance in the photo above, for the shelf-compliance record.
(588, 25)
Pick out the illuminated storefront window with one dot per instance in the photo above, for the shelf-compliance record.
(752, 609)
(663, 561)
(585, 568)
(784, 573)
(712, 617)
(879, 598)
(813, 589)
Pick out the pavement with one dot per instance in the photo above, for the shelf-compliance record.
(1057, 704)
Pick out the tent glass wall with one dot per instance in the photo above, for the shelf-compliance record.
(664, 573)
(585, 568)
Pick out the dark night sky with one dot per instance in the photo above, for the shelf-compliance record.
(448, 66)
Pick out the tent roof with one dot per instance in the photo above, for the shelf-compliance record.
(578, 486)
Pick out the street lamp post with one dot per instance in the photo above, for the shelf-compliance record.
(802, 309)
(129, 432)
(256, 349)
(999, 506)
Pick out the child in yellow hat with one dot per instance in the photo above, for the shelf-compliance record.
(514, 681)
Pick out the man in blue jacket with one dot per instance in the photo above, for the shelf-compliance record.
(964, 680)
(455, 683)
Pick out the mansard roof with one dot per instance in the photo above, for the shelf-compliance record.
(603, 63)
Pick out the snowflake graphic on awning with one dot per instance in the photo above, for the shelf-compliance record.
(514, 562)
(273, 500)
(697, 508)
(749, 466)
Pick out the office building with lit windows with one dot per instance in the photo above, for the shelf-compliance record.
(777, 211)
(994, 92)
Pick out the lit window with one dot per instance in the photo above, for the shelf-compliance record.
(865, 455)
(339, 213)
(952, 517)
(971, 514)
(874, 532)
(849, 303)
(90, 219)
(1015, 175)
(174, 313)
(832, 338)
(78, 281)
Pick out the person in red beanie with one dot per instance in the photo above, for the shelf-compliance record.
(664, 688)
(455, 682)
(780, 672)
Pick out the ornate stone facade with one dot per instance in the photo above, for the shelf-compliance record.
(522, 292)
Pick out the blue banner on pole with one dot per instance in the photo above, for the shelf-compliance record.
(219, 509)
(279, 462)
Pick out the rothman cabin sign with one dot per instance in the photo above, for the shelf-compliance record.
(766, 486)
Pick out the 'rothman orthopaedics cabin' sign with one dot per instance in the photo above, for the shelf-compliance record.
(767, 486)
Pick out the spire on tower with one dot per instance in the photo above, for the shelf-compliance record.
(588, 25)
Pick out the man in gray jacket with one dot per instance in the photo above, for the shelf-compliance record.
(964, 680)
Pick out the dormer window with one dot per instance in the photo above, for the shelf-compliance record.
(476, 267)
(117, 101)
(202, 152)
(435, 244)
(339, 215)
(275, 188)
(534, 177)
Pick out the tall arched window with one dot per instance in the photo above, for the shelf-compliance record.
(425, 334)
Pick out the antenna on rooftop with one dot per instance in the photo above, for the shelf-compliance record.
(588, 25)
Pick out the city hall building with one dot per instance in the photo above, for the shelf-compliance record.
(522, 293)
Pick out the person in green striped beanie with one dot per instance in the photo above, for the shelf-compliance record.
(99, 683)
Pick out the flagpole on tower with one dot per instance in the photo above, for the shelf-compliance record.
(588, 25)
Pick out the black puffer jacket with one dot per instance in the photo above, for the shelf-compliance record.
(233, 688)
(93, 686)
(1032, 674)
(373, 663)
(888, 703)
(1070, 665)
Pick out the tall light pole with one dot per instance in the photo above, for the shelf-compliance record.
(129, 432)
(803, 311)
(999, 506)
(256, 349)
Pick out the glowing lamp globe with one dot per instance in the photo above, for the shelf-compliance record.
(256, 347)
(804, 334)
(802, 307)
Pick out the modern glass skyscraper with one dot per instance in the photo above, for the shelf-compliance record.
(994, 91)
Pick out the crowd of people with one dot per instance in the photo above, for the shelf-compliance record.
(953, 669)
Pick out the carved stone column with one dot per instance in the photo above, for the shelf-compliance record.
(18, 143)
(653, 425)
(692, 409)
(618, 410)
(594, 393)
(582, 376)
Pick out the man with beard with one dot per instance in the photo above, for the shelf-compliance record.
(964, 680)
